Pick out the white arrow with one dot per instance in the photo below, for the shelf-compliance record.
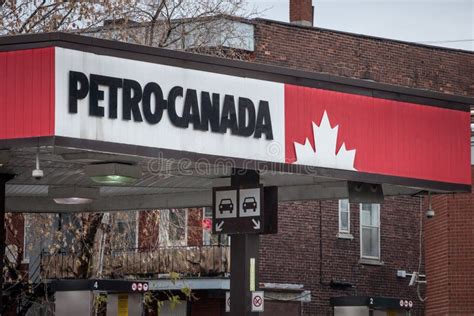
(219, 226)
(256, 224)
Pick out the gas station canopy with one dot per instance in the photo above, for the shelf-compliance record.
(137, 127)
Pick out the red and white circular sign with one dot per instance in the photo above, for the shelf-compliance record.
(406, 303)
(257, 301)
(401, 303)
(140, 287)
(134, 286)
(410, 304)
(145, 287)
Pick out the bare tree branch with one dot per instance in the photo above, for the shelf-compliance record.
(31, 16)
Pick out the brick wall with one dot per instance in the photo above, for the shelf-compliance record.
(436, 243)
(364, 57)
(148, 229)
(15, 230)
(450, 255)
(194, 227)
(301, 10)
(396, 63)
(302, 246)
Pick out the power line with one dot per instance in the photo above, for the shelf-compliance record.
(448, 41)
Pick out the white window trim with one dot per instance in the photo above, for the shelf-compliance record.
(25, 260)
(371, 258)
(137, 229)
(344, 234)
(164, 230)
(204, 234)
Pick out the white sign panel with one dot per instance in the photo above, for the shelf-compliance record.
(238, 211)
(133, 102)
(257, 301)
(227, 301)
(226, 204)
(249, 202)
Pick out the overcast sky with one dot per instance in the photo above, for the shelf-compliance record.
(447, 23)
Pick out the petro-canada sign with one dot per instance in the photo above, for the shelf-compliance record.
(185, 112)
(205, 111)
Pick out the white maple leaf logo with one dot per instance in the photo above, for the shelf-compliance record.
(325, 153)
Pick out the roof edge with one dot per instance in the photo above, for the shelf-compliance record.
(251, 69)
(360, 35)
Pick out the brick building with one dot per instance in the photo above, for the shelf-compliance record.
(318, 254)
(449, 255)
(448, 236)
(309, 250)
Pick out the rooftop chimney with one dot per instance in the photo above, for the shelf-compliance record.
(301, 12)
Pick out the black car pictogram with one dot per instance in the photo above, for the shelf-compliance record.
(249, 204)
(226, 205)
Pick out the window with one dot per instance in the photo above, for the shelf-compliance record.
(208, 238)
(28, 238)
(370, 231)
(344, 217)
(124, 228)
(173, 227)
(35, 239)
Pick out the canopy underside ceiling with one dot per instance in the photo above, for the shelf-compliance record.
(165, 183)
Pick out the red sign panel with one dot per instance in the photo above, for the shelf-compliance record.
(27, 93)
(377, 135)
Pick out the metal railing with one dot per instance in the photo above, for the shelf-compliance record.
(144, 262)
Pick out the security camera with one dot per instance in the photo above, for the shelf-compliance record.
(37, 174)
(430, 213)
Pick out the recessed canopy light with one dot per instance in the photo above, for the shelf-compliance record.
(73, 195)
(113, 173)
(73, 201)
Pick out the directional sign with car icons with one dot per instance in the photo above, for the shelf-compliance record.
(237, 210)
(249, 202)
(226, 204)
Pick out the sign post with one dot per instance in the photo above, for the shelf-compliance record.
(244, 210)
(244, 247)
(239, 210)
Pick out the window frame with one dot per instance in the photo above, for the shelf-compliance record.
(26, 230)
(341, 233)
(362, 256)
(164, 229)
(207, 236)
(117, 219)
(340, 230)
